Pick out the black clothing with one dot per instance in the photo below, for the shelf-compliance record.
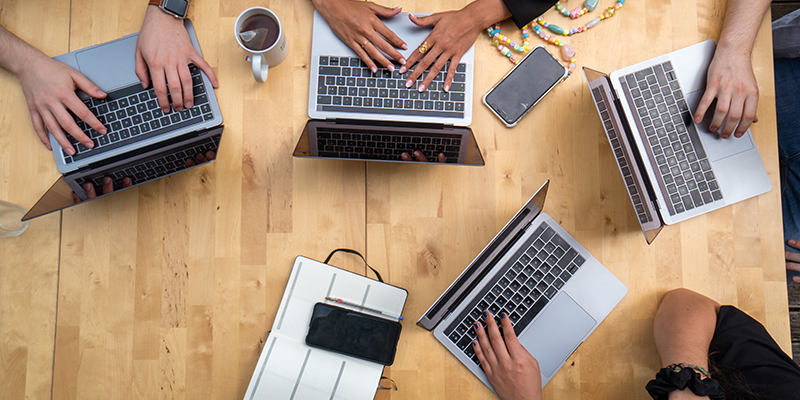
(742, 344)
(525, 11)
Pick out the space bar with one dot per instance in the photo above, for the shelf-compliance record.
(424, 113)
(530, 314)
(138, 138)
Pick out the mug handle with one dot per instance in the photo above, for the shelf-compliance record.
(260, 68)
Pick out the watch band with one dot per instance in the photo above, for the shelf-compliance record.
(155, 3)
(163, 4)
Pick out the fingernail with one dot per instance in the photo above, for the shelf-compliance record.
(446, 88)
(403, 60)
(503, 315)
(70, 151)
(475, 343)
(485, 314)
(696, 120)
(106, 180)
(165, 109)
(398, 8)
(792, 241)
(103, 131)
(403, 69)
(404, 46)
(409, 83)
(189, 105)
(89, 145)
(390, 67)
(374, 69)
(421, 87)
(477, 325)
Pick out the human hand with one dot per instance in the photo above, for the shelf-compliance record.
(793, 259)
(421, 157)
(49, 87)
(731, 82)
(358, 24)
(200, 158)
(108, 187)
(511, 370)
(454, 32)
(164, 48)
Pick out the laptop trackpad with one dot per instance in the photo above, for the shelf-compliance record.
(716, 147)
(557, 333)
(111, 65)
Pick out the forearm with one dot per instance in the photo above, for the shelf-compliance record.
(15, 53)
(684, 326)
(487, 12)
(742, 20)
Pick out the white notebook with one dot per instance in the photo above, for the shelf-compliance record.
(288, 368)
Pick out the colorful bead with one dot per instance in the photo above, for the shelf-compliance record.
(590, 4)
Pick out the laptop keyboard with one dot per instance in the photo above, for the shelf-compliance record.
(387, 145)
(521, 290)
(624, 163)
(345, 84)
(682, 167)
(132, 114)
(153, 168)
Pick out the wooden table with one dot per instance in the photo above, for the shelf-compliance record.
(168, 290)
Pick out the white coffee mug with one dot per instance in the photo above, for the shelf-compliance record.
(267, 58)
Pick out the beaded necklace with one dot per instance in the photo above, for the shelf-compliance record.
(567, 52)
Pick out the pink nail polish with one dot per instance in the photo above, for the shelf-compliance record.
(403, 69)
(421, 87)
(404, 46)
(403, 60)
(446, 88)
(390, 67)
(409, 83)
(374, 69)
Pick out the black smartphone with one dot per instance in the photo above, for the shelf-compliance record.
(353, 333)
(535, 75)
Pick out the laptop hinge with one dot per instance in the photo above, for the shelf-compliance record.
(396, 124)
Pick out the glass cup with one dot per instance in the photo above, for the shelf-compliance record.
(11, 223)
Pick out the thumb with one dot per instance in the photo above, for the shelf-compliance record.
(428, 20)
(384, 12)
(87, 86)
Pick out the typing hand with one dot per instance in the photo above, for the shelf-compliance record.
(164, 48)
(108, 187)
(452, 35)
(358, 25)
(511, 370)
(793, 259)
(421, 157)
(49, 88)
(731, 82)
(200, 158)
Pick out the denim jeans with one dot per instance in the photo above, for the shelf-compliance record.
(787, 106)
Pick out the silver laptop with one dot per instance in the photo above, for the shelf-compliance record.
(129, 112)
(673, 168)
(142, 143)
(553, 290)
(347, 97)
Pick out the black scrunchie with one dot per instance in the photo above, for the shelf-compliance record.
(668, 380)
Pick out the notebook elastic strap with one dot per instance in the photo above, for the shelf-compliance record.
(358, 254)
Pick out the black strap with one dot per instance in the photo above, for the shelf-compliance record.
(358, 254)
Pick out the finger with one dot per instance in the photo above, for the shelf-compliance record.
(75, 198)
(431, 75)
(796, 279)
(720, 112)
(127, 182)
(38, 126)
(405, 157)
(734, 116)
(428, 20)
(705, 102)
(201, 63)
(189, 163)
(55, 130)
(794, 243)
(487, 353)
(362, 54)
(68, 124)
(210, 155)
(376, 55)
(200, 158)
(175, 89)
(498, 346)
(81, 111)
(793, 266)
(387, 48)
(384, 12)
(420, 156)
(441, 158)
(510, 337)
(395, 41)
(108, 185)
(749, 116)
(142, 70)
(186, 84)
(88, 187)
(160, 87)
(422, 66)
(792, 256)
(451, 72)
(83, 83)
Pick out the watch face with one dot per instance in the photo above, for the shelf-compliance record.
(177, 7)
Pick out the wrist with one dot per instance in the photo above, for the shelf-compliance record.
(488, 12)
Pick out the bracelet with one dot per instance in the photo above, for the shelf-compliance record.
(682, 376)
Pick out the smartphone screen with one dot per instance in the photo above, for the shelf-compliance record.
(353, 333)
(525, 85)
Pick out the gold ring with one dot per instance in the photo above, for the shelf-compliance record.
(424, 47)
(365, 43)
